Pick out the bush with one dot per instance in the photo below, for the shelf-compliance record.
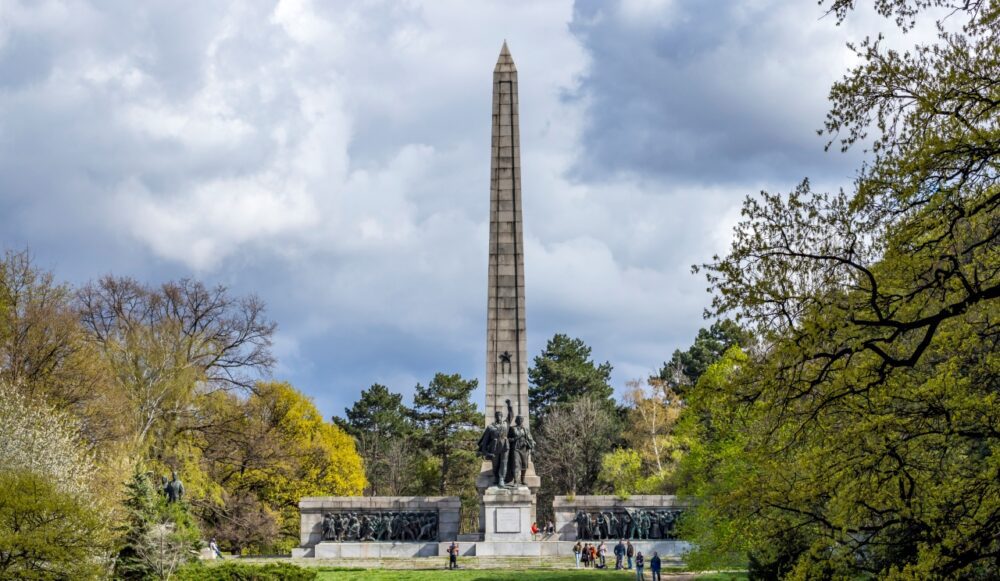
(46, 533)
(232, 571)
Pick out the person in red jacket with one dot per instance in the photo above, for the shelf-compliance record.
(534, 530)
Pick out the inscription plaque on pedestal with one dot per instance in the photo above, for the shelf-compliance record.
(508, 520)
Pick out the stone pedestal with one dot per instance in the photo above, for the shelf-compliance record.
(506, 514)
(485, 482)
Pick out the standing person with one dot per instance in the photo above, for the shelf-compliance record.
(654, 566)
(602, 552)
(593, 556)
(550, 529)
(534, 530)
(639, 563)
(215, 549)
(453, 555)
(629, 553)
(585, 555)
(619, 554)
(577, 548)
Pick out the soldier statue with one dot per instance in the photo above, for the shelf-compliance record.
(521, 444)
(494, 444)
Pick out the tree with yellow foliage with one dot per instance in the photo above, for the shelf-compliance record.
(266, 452)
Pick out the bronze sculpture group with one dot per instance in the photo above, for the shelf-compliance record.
(508, 447)
(380, 526)
(631, 523)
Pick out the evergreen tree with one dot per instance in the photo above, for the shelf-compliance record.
(685, 367)
(448, 420)
(379, 422)
(140, 514)
(158, 537)
(564, 372)
(377, 411)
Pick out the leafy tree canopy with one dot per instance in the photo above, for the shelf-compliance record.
(276, 445)
(620, 471)
(48, 533)
(870, 418)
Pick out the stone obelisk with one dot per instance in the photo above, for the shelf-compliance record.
(506, 344)
(506, 358)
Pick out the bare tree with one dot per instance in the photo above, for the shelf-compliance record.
(398, 465)
(42, 351)
(164, 551)
(163, 343)
(571, 442)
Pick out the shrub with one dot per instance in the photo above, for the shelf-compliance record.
(46, 533)
(232, 571)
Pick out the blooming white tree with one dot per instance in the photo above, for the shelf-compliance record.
(39, 439)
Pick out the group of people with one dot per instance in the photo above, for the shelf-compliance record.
(590, 555)
(548, 531)
(626, 555)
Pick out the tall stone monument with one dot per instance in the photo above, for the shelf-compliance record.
(507, 483)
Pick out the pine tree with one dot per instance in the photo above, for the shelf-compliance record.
(448, 419)
(565, 372)
(140, 507)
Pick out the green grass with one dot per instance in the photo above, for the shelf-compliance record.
(500, 575)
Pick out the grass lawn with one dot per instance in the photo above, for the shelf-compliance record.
(501, 575)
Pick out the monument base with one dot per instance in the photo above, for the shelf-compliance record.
(313, 508)
(671, 551)
(506, 514)
(485, 482)
(333, 550)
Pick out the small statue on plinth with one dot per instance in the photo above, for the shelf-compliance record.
(174, 489)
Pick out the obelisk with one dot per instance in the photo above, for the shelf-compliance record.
(506, 358)
(506, 513)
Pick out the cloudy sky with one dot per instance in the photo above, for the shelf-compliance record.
(333, 158)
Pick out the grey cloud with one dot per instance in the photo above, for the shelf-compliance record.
(703, 92)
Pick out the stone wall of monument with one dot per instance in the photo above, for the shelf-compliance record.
(656, 512)
(314, 510)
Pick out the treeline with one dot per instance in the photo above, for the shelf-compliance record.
(588, 441)
(109, 387)
(423, 449)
